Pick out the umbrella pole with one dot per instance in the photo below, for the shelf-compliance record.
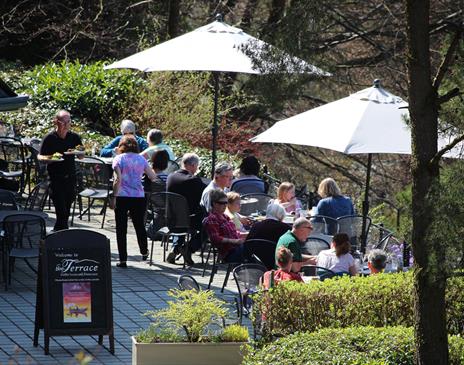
(214, 130)
(365, 205)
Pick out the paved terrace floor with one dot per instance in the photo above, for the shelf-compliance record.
(135, 290)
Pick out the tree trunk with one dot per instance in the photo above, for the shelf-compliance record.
(429, 277)
(173, 18)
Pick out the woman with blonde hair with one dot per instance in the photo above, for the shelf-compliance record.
(287, 199)
(233, 209)
(333, 204)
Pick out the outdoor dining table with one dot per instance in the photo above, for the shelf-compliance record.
(6, 213)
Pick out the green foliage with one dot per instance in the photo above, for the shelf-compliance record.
(355, 345)
(192, 311)
(234, 333)
(378, 300)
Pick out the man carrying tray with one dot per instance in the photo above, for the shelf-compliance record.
(61, 169)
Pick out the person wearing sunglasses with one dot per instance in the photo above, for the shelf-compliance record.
(221, 229)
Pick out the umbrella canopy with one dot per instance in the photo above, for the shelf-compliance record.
(369, 121)
(215, 47)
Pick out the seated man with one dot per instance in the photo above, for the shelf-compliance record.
(223, 174)
(221, 230)
(284, 259)
(376, 261)
(127, 127)
(293, 240)
(155, 143)
(186, 183)
(248, 182)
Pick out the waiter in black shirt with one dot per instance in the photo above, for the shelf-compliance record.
(62, 173)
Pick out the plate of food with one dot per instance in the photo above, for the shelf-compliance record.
(78, 151)
(56, 157)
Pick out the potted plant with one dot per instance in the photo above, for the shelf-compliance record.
(189, 331)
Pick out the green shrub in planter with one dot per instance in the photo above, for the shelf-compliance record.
(378, 300)
(193, 316)
(354, 345)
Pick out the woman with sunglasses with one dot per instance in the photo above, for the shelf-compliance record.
(222, 231)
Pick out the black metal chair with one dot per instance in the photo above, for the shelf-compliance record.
(21, 237)
(172, 166)
(254, 203)
(263, 250)
(377, 237)
(38, 197)
(8, 200)
(314, 245)
(247, 277)
(322, 272)
(170, 217)
(94, 183)
(248, 185)
(187, 282)
(352, 226)
(324, 225)
(13, 154)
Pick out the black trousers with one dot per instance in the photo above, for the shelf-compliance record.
(63, 193)
(136, 207)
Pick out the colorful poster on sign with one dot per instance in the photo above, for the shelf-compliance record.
(77, 300)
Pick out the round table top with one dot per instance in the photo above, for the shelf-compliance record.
(5, 213)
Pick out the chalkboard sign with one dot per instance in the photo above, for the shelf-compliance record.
(74, 293)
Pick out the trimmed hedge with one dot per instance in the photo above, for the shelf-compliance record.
(378, 300)
(354, 345)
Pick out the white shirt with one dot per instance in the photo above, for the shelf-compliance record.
(329, 260)
(205, 201)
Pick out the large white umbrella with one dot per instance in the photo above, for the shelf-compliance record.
(369, 121)
(216, 47)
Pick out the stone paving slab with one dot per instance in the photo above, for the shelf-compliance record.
(137, 289)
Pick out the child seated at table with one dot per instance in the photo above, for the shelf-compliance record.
(284, 273)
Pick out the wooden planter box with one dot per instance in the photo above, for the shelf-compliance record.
(227, 353)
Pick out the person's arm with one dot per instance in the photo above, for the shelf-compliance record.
(296, 266)
(116, 180)
(150, 173)
(352, 270)
(145, 154)
(216, 235)
(107, 151)
(309, 260)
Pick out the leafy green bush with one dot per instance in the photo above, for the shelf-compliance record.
(378, 300)
(354, 345)
(194, 313)
(94, 96)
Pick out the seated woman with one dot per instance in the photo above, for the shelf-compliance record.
(286, 198)
(376, 261)
(272, 228)
(233, 209)
(284, 273)
(222, 231)
(248, 181)
(338, 258)
(333, 204)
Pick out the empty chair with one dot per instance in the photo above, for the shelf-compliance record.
(93, 183)
(314, 245)
(187, 282)
(21, 238)
(254, 203)
(247, 277)
(352, 226)
(170, 217)
(172, 166)
(377, 236)
(38, 197)
(13, 164)
(324, 225)
(264, 250)
(7, 200)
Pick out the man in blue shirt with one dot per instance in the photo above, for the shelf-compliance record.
(127, 127)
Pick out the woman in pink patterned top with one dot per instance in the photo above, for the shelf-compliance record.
(221, 230)
(128, 168)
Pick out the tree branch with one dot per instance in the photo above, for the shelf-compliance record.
(447, 61)
(434, 161)
(449, 95)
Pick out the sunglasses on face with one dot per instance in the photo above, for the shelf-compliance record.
(221, 202)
